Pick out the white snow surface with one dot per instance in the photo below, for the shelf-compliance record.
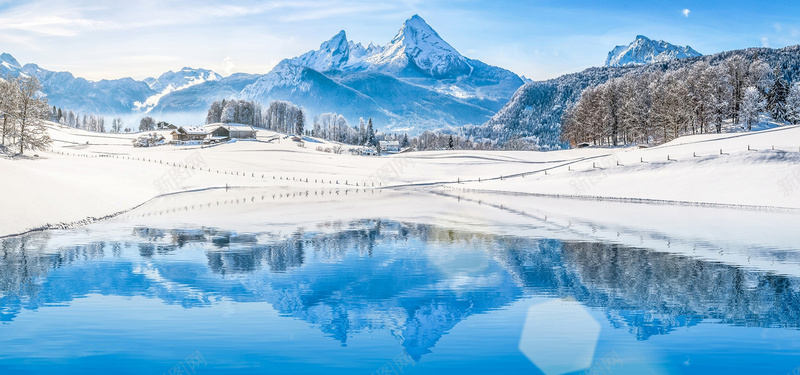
(89, 175)
(644, 50)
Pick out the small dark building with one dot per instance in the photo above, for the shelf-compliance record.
(189, 133)
(223, 132)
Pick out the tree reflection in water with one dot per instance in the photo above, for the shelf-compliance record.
(416, 281)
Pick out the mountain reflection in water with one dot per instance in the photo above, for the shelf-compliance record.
(416, 282)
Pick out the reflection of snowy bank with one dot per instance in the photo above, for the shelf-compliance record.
(763, 240)
(351, 277)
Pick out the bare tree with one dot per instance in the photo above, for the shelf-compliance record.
(32, 111)
(146, 124)
(9, 90)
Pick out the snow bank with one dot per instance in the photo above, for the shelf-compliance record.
(89, 175)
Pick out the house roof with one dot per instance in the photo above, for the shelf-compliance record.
(193, 130)
(240, 128)
(391, 143)
(230, 127)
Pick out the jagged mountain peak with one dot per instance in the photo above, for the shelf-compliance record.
(10, 60)
(338, 40)
(644, 50)
(333, 54)
(418, 45)
(416, 33)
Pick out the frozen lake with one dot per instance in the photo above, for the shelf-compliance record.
(206, 288)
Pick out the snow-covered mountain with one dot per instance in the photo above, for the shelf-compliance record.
(415, 82)
(69, 92)
(418, 49)
(644, 50)
(9, 66)
(175, 81)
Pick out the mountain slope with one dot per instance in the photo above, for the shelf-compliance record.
(175, 81)
(105, 96)
(644, 50)
(416, 82)
(314, 91)
(198, 97)
(536, 108)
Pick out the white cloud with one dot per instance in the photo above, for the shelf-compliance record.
(686, 12)
(764, 42)
(228, 65)
(778, 27)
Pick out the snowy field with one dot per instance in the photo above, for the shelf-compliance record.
(88, 176)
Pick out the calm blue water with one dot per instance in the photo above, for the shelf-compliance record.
(382, 297)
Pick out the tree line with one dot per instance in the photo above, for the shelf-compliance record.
(87, 121)
(653, 107)
(285, 117)
(288, 118)
(23, 110)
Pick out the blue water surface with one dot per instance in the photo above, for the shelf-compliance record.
(382, 297)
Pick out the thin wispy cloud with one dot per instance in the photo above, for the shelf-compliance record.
(99, 40)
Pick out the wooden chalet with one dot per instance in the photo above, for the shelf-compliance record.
(189, 133)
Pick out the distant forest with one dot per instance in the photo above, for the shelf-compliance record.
(655, 107)
(535, 113)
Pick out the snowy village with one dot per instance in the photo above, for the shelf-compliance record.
(573, 198)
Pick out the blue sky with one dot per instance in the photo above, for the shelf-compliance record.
(540, 39)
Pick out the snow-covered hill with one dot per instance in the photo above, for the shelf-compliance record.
(94, 175)
(644, 50)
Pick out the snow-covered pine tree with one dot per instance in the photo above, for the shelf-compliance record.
(370, 133)
(300, 124)
(793, 104)
(778, 94)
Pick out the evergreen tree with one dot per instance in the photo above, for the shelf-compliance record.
(371, 141)
(793, 104)
(778, 94)
(300, 124)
